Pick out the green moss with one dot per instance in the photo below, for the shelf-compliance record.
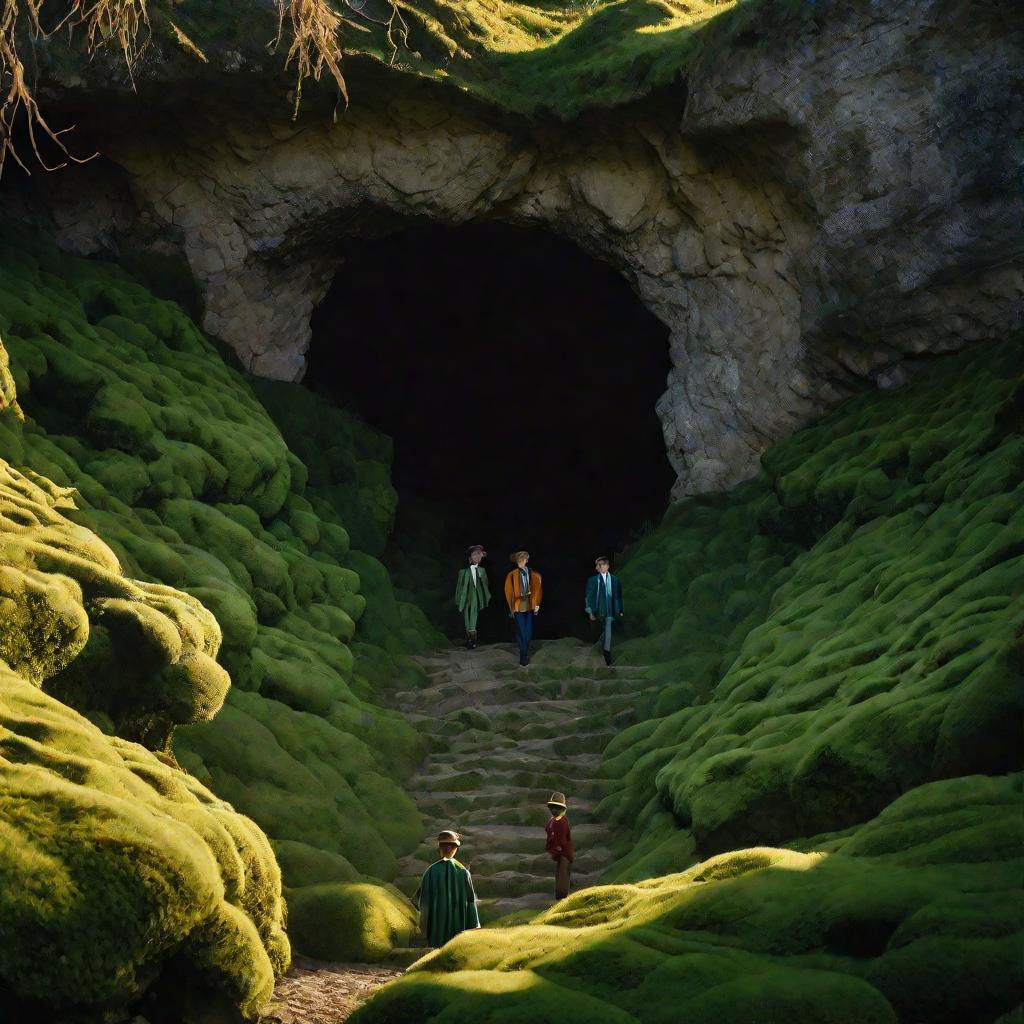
(112, 861)
(532, 58)
(769, 934)
(164, 451)
(349, 920)
(827, 639)
(840, 629)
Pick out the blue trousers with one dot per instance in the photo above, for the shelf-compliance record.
(524, 631)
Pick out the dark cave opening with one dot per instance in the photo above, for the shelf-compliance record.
(518, 377)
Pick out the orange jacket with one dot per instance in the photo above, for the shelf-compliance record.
(513, 586)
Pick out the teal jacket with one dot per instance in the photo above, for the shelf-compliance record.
(466, 594)
(597, 597)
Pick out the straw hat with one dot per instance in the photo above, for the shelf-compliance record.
(448, 837)
(558, 799)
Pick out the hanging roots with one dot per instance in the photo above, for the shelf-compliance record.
(315, 42)
(103, 21)
(124, 22)
(315, 45)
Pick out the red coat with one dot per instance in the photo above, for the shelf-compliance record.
(559, 842)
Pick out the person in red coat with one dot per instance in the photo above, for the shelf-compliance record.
(559, 844)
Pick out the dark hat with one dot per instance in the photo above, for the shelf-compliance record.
(557, 800)
(476, 547)
(448, 837)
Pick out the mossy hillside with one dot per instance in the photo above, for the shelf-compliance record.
(916, 915)
(837, 631)
(179, 468)
(536, 59)
(112, 862)
(547, 59)
(348, 463)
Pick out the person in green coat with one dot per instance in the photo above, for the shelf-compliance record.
(472, 594)
(445, 898)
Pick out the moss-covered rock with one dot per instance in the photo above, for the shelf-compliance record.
(349, 920)
(113, 861)
(825, 642)
(164, 451)
(914, 916)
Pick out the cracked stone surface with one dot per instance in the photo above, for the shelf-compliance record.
(809, 216)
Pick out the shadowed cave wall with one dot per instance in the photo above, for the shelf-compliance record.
(518, 377)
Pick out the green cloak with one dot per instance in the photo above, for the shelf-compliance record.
(468, 596)
(447, 902)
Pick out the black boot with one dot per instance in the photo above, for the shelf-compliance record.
(472, 639)
(607, 657)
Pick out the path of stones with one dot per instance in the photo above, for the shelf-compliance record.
(501, 739)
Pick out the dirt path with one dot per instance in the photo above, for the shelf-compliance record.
(314, 992)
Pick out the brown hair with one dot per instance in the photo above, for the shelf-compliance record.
(516, 555)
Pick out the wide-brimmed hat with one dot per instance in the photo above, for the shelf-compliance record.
(476, 547)
(558, 799)
(448, 837)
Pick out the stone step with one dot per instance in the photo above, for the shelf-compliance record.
(513, 884)
(405, 956)
(576, 738)
(529, 871)
(501, 739)
(492, 909)
(460, 807)
(519, 839)
(524, 714)
(551, 716)
(588, 859)
(576, 766)
(499, 792)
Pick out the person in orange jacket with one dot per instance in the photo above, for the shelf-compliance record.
(523, 594)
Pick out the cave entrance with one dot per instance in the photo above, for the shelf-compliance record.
(518, 377)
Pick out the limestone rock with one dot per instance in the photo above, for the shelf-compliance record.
(838, 188)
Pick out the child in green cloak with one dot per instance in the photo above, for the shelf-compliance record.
(472, 594)
(446, 899)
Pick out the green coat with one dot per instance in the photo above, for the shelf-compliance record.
(468, 596)
(446, 901)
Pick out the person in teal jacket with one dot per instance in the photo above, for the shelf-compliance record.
(446, 899)
(472, 594)
(603, 602)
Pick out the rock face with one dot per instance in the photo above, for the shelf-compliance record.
(830, 196)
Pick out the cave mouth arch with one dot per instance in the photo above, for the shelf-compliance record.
(518, 377)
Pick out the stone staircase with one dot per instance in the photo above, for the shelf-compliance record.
(501, 739)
